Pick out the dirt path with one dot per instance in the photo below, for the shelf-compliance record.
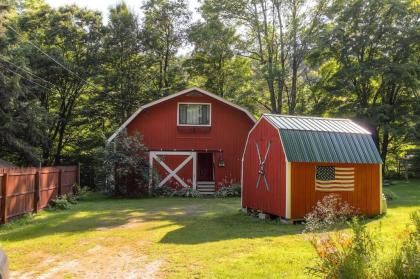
(98, 262)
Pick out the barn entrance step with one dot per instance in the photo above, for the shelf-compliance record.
(206, 187)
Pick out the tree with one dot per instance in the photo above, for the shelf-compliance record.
(164, 32)
(278, 37)
(214, 64)
(213, 49)
(374, 45)
(123, 65)
(61, 46)
(22, 119)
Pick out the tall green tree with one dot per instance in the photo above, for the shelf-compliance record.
(123, 65)
(372, 49)
(61, 45)
(278, 37)
(164, 33)
(22, 119)
(213, 49)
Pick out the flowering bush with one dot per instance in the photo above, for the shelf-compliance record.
(342, 255)
(327, 213)
(228, 191)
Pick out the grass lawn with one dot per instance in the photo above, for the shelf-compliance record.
(173, 238)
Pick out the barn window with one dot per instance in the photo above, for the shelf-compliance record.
(193, 114)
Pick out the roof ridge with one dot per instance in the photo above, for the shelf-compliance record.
(318, 124)
(307, 117)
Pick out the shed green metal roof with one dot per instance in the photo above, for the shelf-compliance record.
(326, 140)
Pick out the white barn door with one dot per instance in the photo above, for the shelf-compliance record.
(172, 173)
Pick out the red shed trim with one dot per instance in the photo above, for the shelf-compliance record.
(131, 118)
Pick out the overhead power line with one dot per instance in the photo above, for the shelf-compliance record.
(47, 55)
(27, 71)
(36, 83)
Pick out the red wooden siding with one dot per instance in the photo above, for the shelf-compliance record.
(272, 201)
(228, 132)
(25, 190)
(365, 196)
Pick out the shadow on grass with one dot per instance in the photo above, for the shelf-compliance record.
(200, 220)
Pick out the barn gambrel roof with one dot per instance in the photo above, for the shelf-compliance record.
(183, 92)
(325, 140)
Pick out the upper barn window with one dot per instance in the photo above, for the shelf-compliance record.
(194, 114)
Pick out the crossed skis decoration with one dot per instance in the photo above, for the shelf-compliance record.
(261, 171)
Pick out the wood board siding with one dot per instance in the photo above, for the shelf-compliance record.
(365, 196)
(25, 190)
(228, 132)
(272, 201)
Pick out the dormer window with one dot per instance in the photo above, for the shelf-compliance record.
(194, 114)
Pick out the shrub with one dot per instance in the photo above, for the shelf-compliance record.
(186, 192)
(126, 168)
(406, 263)
(342, 255)
(228, 191)
(327, 213)
(389, 195)
(62, 202)
(79, 192)
(163, 191)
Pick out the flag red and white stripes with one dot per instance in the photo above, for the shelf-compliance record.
(331, 179)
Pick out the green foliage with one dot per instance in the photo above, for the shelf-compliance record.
(370, 50)
(125, 165)
(406, 263)
(62, 202)
(163, 191)
(355, 59)
(389, 195)
(79, 192)
(345, 256)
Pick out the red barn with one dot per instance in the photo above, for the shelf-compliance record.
(196, 139)
(291, 162)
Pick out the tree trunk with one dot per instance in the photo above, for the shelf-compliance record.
(384, 145)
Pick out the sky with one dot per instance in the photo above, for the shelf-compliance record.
(103, 5)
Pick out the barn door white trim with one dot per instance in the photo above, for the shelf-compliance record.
(154, 156)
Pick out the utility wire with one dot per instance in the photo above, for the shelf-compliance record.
(46, 54)
(16, 73)
(27, 71)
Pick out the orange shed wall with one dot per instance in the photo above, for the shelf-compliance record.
(365, 196)
(228, 132)
(272, 201)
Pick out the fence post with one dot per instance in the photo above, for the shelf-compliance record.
(4, 207)
(37, 196)
(60, 182)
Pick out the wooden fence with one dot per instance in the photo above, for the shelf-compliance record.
(25, 190)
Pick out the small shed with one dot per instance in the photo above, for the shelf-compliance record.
(291, 162)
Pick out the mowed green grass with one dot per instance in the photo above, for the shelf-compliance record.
(193, 238)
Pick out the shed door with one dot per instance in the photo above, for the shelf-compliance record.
(205, 167)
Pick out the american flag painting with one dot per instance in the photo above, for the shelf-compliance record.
(332, 179)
